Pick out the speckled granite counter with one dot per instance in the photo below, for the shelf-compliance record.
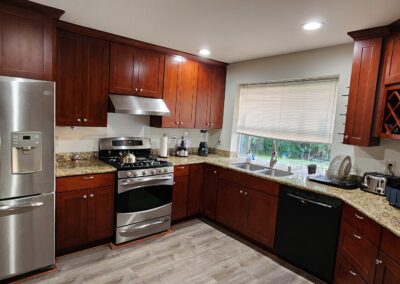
(373, 206)
(82, 167)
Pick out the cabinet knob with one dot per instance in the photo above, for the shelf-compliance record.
(346, 137)
(79, 120)
(91, 195)
(176, 122)
(245, 193)
(136, 89)
(85, 119)
(215, 172)
(241, 191)
(378, 261)
(212, 123)
(141, 90)
(85, 196)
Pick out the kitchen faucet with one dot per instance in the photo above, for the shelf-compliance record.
(274, 155)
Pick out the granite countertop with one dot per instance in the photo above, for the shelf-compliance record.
(374, 206)
(82, 167)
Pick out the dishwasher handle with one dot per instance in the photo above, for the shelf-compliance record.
(304, 200)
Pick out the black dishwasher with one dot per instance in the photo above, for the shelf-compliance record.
(307, 231)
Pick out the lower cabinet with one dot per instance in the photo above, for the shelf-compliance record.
(247, 210)
(387, 271)
(86, 214)
(180, 197)
(210, 189)
(195, 197)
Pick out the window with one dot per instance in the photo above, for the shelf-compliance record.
(298, 114)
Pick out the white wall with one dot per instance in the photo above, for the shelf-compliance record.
(322, 62)
(82, 139)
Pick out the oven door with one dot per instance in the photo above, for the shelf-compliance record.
(144, 198)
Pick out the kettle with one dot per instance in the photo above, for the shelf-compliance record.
(127, 158)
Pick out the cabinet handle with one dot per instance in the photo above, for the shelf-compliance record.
(85, 119)
(84, 197)
(357, 236)
(359, 217)
(378, 261)
(181, 168)
(91, 177)
(79, 120)
(91, 195)
(352, 272)
(241, 191)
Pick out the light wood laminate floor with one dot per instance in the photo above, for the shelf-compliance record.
(195, 252)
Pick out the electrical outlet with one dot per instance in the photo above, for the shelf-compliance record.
(390, 167)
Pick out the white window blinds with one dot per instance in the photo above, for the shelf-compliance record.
(298, 111)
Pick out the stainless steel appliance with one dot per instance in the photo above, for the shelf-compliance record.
(375, 182)
(143, 189)
(26, 175)
(307, 230)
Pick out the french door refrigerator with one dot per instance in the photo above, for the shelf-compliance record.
(27, 232)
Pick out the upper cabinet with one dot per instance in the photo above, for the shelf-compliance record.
(135, 71)
(26, 40)
(82, 80)
(180, 91)
(210, 96)
(392, 60)
(363, 86)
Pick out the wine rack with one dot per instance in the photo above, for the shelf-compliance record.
(391, 117)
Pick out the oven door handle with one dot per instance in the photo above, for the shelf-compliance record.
(133, 230)
(146, 180)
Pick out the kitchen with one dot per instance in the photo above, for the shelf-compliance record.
(137, 153)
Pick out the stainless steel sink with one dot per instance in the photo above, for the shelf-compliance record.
(274, 173)
(249, 167)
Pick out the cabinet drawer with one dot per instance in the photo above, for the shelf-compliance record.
(362, 224)
(180, 171)
(346, 273)
(84, 182)
(390, 245)
(358, 251)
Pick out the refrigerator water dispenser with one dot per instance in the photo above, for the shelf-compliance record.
(26, 152)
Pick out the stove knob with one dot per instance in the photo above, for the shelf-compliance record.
(159, 171)
(165, 170)
(144, 173)
(153, 172)
(129, 173)
(135, 174)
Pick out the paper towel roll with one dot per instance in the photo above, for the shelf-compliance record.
(163, 146)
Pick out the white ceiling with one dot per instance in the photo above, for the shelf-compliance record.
(234, 30)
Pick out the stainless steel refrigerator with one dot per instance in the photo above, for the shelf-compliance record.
(27, 226)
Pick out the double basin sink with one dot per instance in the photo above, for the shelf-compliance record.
(261, 170)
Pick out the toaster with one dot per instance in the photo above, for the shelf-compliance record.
(375, 182)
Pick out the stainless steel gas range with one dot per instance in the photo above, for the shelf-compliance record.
(143, 190)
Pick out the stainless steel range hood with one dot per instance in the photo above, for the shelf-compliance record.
(138, 105)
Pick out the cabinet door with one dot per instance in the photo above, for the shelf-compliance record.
(203, 97)
(217, 97)
(69, 79)
(364, 77)
(260, 216)
(230, 204)
(71, 219)
(187, 93)
(95, 68)
(195, 201)
(150, 73)
(180, 197)
(392, 60)
(210, 189)
(387, 271)
(123, 69)
(25, 44)
(100, 218)
(171, 83)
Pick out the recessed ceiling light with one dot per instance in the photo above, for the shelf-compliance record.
(311, 26)
(204, 52)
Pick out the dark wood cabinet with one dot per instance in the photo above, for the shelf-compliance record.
(392, 60)
(26, 41)
(180, 197)
(82, 80)
(135, 71)
(195, 198)
(210, 97)
(360, 117)
(180, 91)
(84, 210)
(260, 216)
(230, 204)
(210, 190)
(71, 219)
(345, 273)
(387, 271)
(100, 213)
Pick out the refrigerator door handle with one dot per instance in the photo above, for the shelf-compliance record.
(20, 206)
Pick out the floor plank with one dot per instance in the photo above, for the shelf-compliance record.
(195, 252)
